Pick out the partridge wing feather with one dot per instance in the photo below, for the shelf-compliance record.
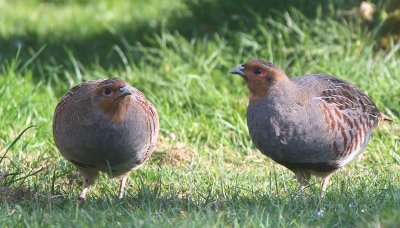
(350, 115)
(151, 119)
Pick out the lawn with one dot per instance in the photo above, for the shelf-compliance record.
(205, 171)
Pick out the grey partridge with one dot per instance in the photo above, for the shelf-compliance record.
(105, 126)
(312, 124)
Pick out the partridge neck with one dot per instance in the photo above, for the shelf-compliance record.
(263, 88)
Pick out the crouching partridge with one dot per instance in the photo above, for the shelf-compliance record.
(105, 125)
(312, 124)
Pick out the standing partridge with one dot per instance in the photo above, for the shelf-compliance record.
(312, 124)
(105, 125)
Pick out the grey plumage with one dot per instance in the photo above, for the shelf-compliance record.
(312, 124)
(289, 125)
(108, 133)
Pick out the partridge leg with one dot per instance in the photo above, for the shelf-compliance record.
(121, 187)
(89, 179)
(324, 184)
(303, 178)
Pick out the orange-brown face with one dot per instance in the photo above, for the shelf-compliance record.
(259, 76)
(112, 96)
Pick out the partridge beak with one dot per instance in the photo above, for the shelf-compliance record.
(125, 91)
(239, 70)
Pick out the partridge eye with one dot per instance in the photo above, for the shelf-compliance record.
(107, 91)
(257, 71)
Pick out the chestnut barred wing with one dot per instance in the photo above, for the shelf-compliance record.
(350, 116)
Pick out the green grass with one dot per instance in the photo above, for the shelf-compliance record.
(205, 172)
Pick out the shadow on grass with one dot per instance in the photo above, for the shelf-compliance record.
(149, 203)
(203, 18)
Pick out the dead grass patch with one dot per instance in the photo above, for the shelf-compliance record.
(173, 153)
